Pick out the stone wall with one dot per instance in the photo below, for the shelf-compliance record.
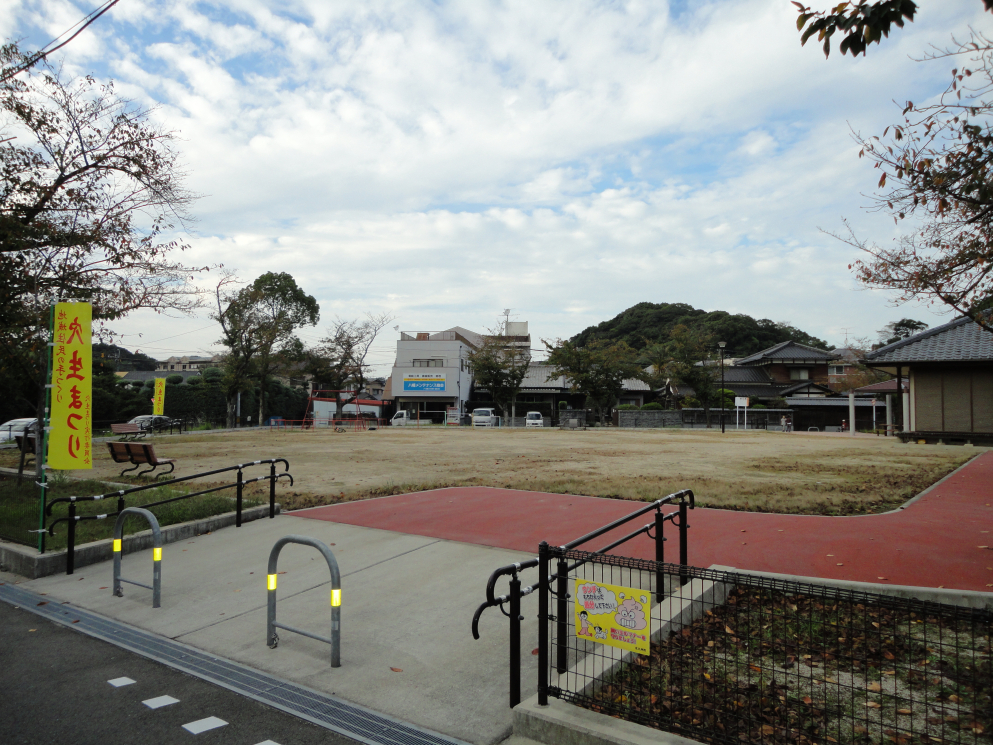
(650, 419)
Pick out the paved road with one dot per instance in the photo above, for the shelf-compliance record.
(54, 689)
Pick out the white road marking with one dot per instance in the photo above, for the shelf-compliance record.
(202, 725)
(267, 742)
(160, 701)
(118, 682)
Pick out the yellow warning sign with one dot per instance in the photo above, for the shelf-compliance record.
(614, 615)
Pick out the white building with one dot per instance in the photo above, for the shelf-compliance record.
(190, 362)
(431, 371)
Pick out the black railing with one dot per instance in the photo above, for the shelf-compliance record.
(685, 501)
(72, 519)
(740, 658)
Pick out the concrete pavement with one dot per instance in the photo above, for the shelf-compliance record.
(407, 605)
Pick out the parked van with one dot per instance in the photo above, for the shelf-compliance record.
(534, 419)
(484, 418)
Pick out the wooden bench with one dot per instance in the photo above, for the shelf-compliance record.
(127, 429)
(140, 454)
(144, 455)
(119, 453)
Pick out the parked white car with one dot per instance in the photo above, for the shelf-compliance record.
(484, 418)
(401, 419)
(534, 419)
(15, 428)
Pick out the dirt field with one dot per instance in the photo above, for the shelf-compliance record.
(758, 471)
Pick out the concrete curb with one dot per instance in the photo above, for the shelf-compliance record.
(27, 562)
(963, 598)
(560, 723)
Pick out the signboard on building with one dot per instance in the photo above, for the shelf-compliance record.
(70, 437)
(741, 401)
(158, 403)
(613, 615)
(424, 382)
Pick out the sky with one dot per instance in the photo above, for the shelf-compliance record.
(445, 161)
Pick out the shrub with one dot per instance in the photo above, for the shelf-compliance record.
(174, 379)
(563, 405)
(195, 381)
(653, 406)
(758, 406)
(627, 407)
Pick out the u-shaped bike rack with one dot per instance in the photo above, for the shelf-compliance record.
(272, 639)
(156, 586)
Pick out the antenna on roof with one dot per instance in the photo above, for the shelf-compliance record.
(846, 329)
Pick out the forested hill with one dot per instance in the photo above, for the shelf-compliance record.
(648, 323)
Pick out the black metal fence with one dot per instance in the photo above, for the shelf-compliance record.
(72, 519)
(683, 500)
(737, 658)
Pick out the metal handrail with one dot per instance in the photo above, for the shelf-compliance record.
(72, 518)
(686, 500)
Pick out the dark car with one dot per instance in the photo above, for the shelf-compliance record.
(154, 422)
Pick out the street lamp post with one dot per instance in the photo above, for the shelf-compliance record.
(722, 344)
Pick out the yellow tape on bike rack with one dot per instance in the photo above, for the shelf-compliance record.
(271, 581)
(156, 554)
(335, 598)
(117, 545)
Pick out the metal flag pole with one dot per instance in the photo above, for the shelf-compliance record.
(44, 422)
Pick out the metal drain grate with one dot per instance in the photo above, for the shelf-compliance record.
(350, 720)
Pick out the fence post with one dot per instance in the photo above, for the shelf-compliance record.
(71, 540)
(515, 640)
(683, 553)
(659, 555)
(561, 609)
(272, 490)
(543, 589)
(237, 522)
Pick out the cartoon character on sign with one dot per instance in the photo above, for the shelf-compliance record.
(630, 613)
(600, 633)
(584, 622)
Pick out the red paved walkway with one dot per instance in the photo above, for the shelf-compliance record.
(940, 540)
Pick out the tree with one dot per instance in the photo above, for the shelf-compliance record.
(689, 354)
(89, 188)
(898, 330)
(258, 324)
(937, 165)
(862, 23)
(338, 361)
(597, 369)
(500, 366)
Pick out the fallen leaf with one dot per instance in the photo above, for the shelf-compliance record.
(874, 687)
(839, 564)
(883, 578)
(756, 668)
(76, 621)
(43, 602)
(728, 630)
(873, 705)
(904, 711)
(397, 669)
(875, 624)
(806, 699)
(104, 588)
(534, 651)
(889, 672)
(32, 629)
(889, 655)
(768, 729)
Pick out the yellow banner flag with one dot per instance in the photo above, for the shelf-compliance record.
(158, 403)
(70, 438)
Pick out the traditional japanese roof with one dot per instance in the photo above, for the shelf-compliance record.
(744, 375)
(961, 340)
(805, 384)
(886, 386)
(839, 401)
(788, 351)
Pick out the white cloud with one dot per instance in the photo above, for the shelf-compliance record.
(566, 160)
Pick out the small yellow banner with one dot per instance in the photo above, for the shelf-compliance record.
(614, 615)
(71, 436)
(158, 403)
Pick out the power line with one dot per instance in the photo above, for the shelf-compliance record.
(45, 51)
